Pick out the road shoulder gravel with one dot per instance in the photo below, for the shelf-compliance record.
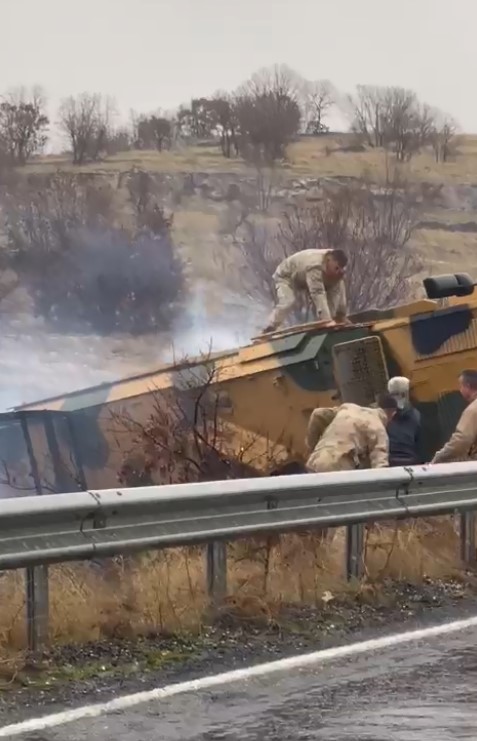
(71, 676)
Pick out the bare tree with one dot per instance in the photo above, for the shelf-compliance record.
(280, 79)
(443, 137)
(187, 435)
(198, 120)
(268, 114)
(368, 114)
(154, 132)
(317, 99)
(392, 117)
(226, 123)
(23, 124)
(119, 140)
(86, 121)
(374, 225)
(406, 124)
(261, 254)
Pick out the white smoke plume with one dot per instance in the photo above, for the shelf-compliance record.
(36, 362)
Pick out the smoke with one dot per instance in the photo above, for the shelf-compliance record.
(211, 325)
(38, 363)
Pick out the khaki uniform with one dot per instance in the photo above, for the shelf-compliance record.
(347, 437)
(462, 445)
(303, 272)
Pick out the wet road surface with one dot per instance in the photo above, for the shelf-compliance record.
(424, 690)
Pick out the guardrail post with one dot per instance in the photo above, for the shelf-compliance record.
(37, 607)
(467, 537)
(36, 577)
(216, 574)
(354, 551)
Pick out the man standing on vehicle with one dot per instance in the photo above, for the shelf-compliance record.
(462, 445)
(350, 436)
(318, 273)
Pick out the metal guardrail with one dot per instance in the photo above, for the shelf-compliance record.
(37, 531)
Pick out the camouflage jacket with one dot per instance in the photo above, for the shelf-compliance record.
(462, 445)
(304, 270)
(351, 429)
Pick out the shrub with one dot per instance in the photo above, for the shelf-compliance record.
(80, 270)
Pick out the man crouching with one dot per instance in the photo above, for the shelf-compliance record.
(317, 274)
(350, 436)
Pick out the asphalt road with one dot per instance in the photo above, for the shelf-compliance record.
(424, 690)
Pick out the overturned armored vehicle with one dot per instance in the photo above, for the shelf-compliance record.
(245, 412)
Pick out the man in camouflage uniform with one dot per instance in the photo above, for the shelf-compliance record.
(318, 273)
(462, 445)
(350, 436)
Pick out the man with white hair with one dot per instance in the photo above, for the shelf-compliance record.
(404, 428)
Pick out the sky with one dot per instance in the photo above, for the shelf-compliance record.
(151, 54)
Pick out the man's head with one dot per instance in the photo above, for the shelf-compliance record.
(468, 384)
(388, 405)
(398, 386)
(334, 266)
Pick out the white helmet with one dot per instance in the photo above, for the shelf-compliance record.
(398, 386)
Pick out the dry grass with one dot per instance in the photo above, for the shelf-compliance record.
(442, 251)
(198, 223)
(320, 156)
(323, 157)
(164, 592)
(192, 159)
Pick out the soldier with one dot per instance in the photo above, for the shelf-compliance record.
(462, 445)
(320, 273)
(350, 436)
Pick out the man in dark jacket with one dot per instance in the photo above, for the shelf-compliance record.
(404, 428)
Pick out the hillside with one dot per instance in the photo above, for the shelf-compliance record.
(447, 235)
(208, 195)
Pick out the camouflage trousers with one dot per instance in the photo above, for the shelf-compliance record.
(327, 460)
(288, 298)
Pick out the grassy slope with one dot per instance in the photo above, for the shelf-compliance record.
(441, 250)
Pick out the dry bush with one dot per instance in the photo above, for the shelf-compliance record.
(80, 269)
(373, 224)
(412, 550)
(261, 253)
(164, 592)
(187, 436)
